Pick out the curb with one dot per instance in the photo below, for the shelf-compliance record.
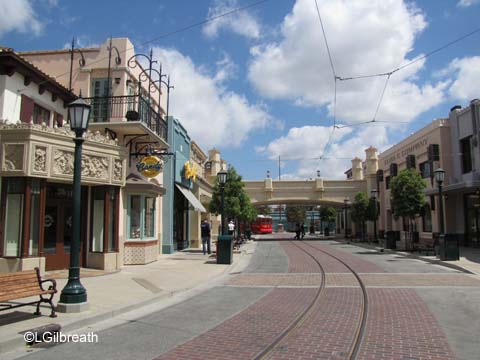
(13, 344)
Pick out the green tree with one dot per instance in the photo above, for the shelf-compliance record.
(263, 210)
(328, 215)
(406, 197)
(295, 213)
(238, 206)
(359, 212)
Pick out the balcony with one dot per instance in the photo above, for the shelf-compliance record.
(114, 109)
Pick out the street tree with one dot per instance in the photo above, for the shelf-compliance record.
(359, 212)
(238, 206)
(295, 213)
(407, 197)
(327, 214)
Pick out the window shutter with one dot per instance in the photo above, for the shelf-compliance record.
(26, 110)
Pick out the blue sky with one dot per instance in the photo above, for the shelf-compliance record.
(258, 84)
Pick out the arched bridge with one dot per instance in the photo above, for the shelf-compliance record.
(317, 191)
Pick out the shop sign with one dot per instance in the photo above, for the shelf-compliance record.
(150, 166)
(189, 171)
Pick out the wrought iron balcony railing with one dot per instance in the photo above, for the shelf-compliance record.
(124, 108)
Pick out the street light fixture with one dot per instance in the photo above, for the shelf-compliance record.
(222, 179)
(440, 178)
(74, 293)
(374, 197)
(347, 204)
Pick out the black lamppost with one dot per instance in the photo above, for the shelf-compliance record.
(222, 179)
(440, 178)
(74, 293)
(347, 204)
(374, 197)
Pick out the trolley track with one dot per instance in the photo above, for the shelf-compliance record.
(360, 330)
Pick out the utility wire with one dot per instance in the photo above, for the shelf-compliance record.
(174, 32)
(381, 98)
(335, 78)
(473, 32)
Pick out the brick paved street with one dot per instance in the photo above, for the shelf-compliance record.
(252, 309)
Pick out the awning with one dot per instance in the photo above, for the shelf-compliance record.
(197, 205)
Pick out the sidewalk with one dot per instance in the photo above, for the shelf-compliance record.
(469, 257)
(133, 287)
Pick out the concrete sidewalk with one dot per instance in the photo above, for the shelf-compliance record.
(469, 257)
(129, 289)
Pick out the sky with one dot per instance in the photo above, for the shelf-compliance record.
(259, 84)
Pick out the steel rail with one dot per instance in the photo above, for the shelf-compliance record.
(360, 332)
(301, 318)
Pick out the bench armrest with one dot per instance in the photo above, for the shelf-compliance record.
(51, 287)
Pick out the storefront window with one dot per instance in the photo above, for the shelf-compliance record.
(112, 213)
(141, 217)
(98, 219)
(34, 218)
(13, 217)
(472, 211)
(149, 216)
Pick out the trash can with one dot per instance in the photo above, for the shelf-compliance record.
(225, 249)
(448, 247)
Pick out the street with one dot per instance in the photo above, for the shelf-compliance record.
(302, 300)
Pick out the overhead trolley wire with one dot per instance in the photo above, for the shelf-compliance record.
(174, 32)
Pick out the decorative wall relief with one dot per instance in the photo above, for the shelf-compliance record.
(95, 167)
(117, 170)
(40, 159)
(13, 155)
(62, 162)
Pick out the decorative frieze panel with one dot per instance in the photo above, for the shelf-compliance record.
(13, 157)
(39, 159)
(117, 170)
(95, 167)
(40, 151)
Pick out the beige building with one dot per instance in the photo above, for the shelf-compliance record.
(426, 150)
(122, 207)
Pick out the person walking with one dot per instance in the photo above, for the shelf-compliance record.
(302, 230)
(205, 228)
(297, 231)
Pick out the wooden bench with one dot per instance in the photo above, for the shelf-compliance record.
(25, 284)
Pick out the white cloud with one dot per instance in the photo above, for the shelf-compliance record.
(241, 23)
(212, 114)
(467, 71)
(365, 37)
(308, 142)
(467, 3)
(19, 16)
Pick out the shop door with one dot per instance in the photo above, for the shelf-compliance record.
(58, 234)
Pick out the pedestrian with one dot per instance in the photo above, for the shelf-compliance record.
(297, 231)
(302, 229)
(231, 228)
(205, 227)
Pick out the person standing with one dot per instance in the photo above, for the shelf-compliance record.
(302, 230)
(205, 227)
(231, 228)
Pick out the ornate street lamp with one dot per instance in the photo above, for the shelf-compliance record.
(74, 293)
(222, 179)
(347, 204)
(440, 178)
(374, 197)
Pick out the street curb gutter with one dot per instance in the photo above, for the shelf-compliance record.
(12, 344)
